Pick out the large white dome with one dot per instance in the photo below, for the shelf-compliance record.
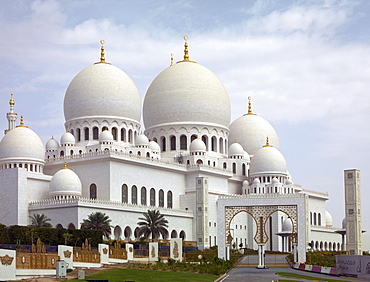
(268, 160)
(21, 143)
(186, 93)
(251, 131)
(65, 182)
(102, 90)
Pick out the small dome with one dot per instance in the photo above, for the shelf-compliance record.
(106, 136)
(275, 180)
(141, 140)
(236, 149)
(67, 139)
(245, 184)
(268, 159)
(52, 145)
(102, 90)
(251, 130)
(344, 223)
(186, 92)
(65, 182)
(256, 181)
(21, 143)
(287, 225)
(328, 219)
(197, 146)
(154, 146)
(288, 181)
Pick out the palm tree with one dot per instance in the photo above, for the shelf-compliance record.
(40, 220)
(153, 224)
(98, 220)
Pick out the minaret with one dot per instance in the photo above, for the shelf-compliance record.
(353, 211)
(11, 116)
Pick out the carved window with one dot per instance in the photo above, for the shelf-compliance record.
(86, 130)
(93, 191)
(173, 143)
(152, 197)
(183, 142)
(124, 193)
(95, 133)
(161, 198)
(143, 196)
(169, 199)
(134, 195)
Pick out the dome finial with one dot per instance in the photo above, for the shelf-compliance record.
(250, 106)
(171, 59)
(65, 164)
(267, 142)
(186, 51)
(102, 53)
(22, 123)
(11, 102)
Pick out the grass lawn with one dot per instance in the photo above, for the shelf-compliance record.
(305, 277)
(144, 275)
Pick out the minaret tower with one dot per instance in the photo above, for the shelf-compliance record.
(353, 211)
(11, 116)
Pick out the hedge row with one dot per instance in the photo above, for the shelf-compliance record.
(23, 235)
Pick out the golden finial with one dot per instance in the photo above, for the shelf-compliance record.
(171, 59)
(186, 51)
(65, 164)
(267, 142)
(22, 123)
(250, 106)
(11, 102)
(102, 53)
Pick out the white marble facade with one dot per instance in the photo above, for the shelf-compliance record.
(112, 167)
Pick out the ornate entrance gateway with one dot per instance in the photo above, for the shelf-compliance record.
(261, 208)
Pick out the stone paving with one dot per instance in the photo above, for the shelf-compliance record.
(244, 271)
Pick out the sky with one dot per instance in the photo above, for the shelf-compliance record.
(306, 65)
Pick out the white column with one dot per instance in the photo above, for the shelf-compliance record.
(261, 256)
(295, 252)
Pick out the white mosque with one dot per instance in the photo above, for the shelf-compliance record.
(106, 162)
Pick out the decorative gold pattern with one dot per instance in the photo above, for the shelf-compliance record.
(130, 249)
(153, 252)
(105, 251)
(38, 259)
(260, 215)
(6, 260)
(176, 250)
(86, 254)
(186, 51)
(67, 253)
(117, 252)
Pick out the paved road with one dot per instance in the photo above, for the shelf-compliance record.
(241, 274)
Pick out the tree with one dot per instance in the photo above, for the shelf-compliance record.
(153, 224)
(40, 220)
(98, 220)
